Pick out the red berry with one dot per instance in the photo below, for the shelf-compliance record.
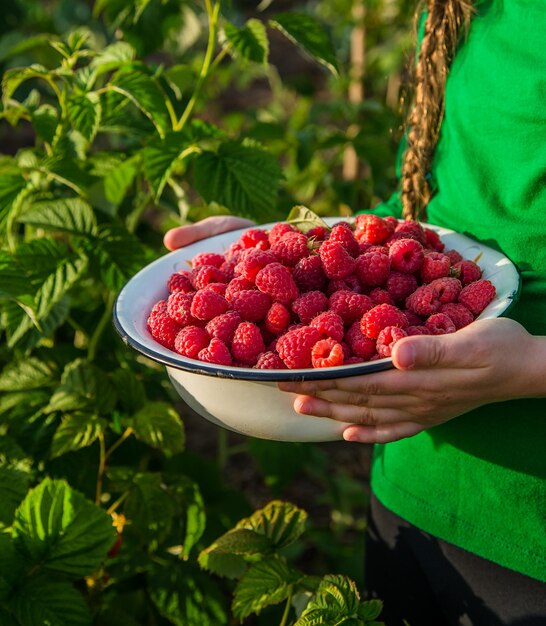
(336, 261)
(387, 338)
(349, 306)
(216, 352)
(291, 248)
(251, 304)
(254, 238)
(400, 285)
(381, 316)
(278, 231)
(270, 361)
(424, 300)
(381, 296)
(161, 326)
(277, 319)
(477, 295)
(371, 228)
(413, 229)
(373, 268)
(346, 238)
(432, 240)
(205, 274)
(448, 289)
(406, 255)
(458, 313)
(207, 258)
(360, 345)
(326, 353)
(253, 262)
(236, 285)
(180, 281)
(329, 324)
(223, 326)
(190, 341)
(435, 265)
(467, 272)
(276, 281)
(247, 343)
(207, 304)
(179, 307)
(309, 305)
(295, 346)
(309, 275)
(440, 324)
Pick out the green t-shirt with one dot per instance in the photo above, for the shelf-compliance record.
(479, 481)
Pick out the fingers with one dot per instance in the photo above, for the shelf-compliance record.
(359, 399)
(308, 405)
(184, 235)
(382, 434)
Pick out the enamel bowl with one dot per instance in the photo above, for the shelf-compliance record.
(248, 400)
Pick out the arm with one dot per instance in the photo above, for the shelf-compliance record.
(436, 378)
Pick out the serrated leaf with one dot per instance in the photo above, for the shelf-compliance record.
(240, 176)
(337, 595)
(83, 387)
(144, 93)
(43, 602)
(310, 35)
(45, 120)
(186, 597)
(263, 584)
(305, 219)
(14, 77)
(77, 430)
(65, 169)
(70, 215)
(370, 609)
(84, 111)
(13, 487)
(26, 374)
(118, 181)
(227, 555)
(281, 522)
(191, 511)
(113, 56)
(11, 188)
(159, 158)
(59, 528)
(249, 42)
(159, 425)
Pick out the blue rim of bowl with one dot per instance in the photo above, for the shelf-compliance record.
(242, 373)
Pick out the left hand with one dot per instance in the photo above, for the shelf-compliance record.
(436, 378)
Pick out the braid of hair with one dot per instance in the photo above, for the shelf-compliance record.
(445, 21)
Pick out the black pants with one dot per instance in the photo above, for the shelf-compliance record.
(429, 582)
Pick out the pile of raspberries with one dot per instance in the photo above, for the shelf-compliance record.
(283, 299)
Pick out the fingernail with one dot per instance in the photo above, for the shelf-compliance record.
(406, 355)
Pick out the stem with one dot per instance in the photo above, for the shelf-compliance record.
(212, 12)
(115, 505)
(102, 466)
(284, 620)
(93, 342)
(127, 433)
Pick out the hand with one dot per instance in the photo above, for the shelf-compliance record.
(436, 378)
(184, 235)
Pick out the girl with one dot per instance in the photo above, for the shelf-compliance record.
(458, 519)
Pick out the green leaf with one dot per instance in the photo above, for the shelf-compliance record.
(113, 56)
(26, 374)
(12, 186)
(144, 93)
(62, 530)
(249, 42)
(310, 35)
(370, 609)
(191, 512)
(133, 395)
(83, 387)
(77, 430)
(45, 120)
(84, 111)
(44, 602)
(160, 157)
(281, 522)
(14, 77)
(186, 597)
(118, 181)
(240, 176)
(305, 219)
(263, 584)
(13, 487)
(336, 596)
(70, 215)
(159, 425)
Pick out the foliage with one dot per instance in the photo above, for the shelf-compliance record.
(118, 124)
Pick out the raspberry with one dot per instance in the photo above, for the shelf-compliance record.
(417, 330)
(432, 240)
(216, 352)
(252, 263)
(477, 295)
(179, 307)
(336, 261)
(381, 296)
(218, 288)
(413, 318)
(381, 316)
(349, 306)
(435, 265)
(247, 343)
(458, 313)
(228, 267)
(413, 229)
(278, 231)
(423, 301)
(309, 305)
(448, 289)
(341, 234)
(406, 255)
(373, 268)
(353, 360)
(401, 285)
(371, 228)
(270, 361)
(223, 326)
(291, 248)
(233, 253)
(276, 281)
(235, 286)
(207, 258)
(252, 304)
(161, 326)
(454, 256)
(254, 238)
(309, 275)
(295, 346)
(180, 281)
(318, 233)
(327, 353)
(440, 324)
(467, 272)
(190, 341)
(387, 338)
(329, 324)
(205, 274)
(207, 304)
(277, 319)
(360, 345)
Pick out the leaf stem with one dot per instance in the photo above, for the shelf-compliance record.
(107, 314)
(111, 509)
(126, 433)
(212, 12)
(102, 466)
(284, 620)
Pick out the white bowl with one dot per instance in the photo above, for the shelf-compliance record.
(247, 400)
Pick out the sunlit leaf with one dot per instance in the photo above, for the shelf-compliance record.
(249, 42)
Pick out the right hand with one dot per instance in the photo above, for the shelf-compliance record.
(184, 235)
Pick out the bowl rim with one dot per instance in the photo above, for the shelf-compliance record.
(180, 362)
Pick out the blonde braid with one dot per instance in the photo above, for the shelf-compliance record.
(444, 23)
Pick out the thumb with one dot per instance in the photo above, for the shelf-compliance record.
(214, 225)
(425, 351)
